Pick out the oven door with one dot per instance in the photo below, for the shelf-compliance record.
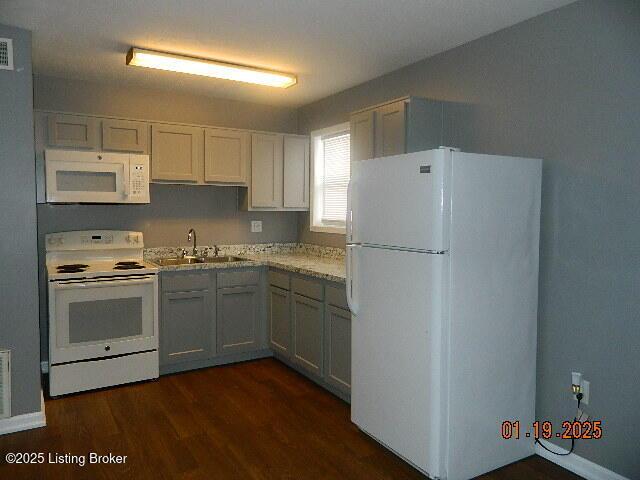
(97, 318)
(86, 177)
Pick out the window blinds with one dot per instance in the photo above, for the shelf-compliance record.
(336, 178)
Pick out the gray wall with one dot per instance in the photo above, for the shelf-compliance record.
(135, 102)
(564, 87)
(18, 252)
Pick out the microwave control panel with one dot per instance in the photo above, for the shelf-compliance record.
(139, 178)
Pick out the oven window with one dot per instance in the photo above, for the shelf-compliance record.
(111, 319)
(70, 181)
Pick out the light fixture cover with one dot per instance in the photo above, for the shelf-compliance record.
(208, 68)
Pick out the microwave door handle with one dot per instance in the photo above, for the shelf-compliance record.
(125, 180)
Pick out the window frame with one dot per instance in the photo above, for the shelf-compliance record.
(317, 166)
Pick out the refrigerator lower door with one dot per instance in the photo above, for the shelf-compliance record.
(400, 201)
(396, 337)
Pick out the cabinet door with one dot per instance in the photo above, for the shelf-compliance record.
(176, 152)
(226, 156)
(185, 326)
(296, 172)
(390, 129)
(337, 343)
(307, 319)
(73, 131)
(125, 136)
(279, 316)
(266, 170)
(237, 320)
(361, 136)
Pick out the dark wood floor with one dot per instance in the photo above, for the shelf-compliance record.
(257, 420)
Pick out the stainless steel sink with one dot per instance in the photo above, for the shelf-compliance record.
(195, 260)
(221, 259)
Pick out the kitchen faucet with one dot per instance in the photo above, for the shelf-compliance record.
(192, 234)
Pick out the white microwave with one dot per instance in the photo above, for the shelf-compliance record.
(96, 177)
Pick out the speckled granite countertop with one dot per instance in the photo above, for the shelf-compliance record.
(320, 262)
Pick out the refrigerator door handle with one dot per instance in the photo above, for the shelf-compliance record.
(352, 301)
(349, 219)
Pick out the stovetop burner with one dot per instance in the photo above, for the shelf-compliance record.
(128, 262)
(128, 266)
(72, 268)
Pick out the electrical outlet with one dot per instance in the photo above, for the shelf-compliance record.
(256, 226)
(577, 380)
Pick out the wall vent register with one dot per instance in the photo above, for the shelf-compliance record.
(5, 383)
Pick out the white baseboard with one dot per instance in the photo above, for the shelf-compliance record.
(24, 422)
(576, 464)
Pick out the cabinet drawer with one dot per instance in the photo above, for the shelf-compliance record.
(236, 279)
(279, 279)
(182, 282)
(337, 296)
(308, 288)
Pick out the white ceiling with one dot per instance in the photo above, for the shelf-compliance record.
(330, 44)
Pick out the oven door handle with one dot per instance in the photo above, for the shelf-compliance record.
(67, 285)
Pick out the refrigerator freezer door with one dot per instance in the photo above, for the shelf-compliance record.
(396, 340)
(401, 201)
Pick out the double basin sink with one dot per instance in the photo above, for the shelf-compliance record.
(163, 262)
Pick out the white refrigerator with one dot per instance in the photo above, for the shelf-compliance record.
(442, 282)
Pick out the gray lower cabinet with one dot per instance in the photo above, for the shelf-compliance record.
(238, 328)
(308, 325)
(337, 348)
(186, 321)
(279, 320)
(309, 328)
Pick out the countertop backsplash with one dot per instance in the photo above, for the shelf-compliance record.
(250, 249)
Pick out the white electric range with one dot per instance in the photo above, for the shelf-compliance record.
(103, 310)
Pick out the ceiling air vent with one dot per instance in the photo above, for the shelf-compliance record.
(5, 383)
(6, 54)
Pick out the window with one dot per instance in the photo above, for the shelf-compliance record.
(330, 178)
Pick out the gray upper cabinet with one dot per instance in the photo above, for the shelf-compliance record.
(186, 321)
(390, 129)
(73, 131)
(296, 172)
(226, 156)
(238, 328)
(362, 135)
(279, 173)
(410, 124)
(177, 153)
(279, 320)
(337, 348)
(125, 136)
(266, 170)
(308, 324)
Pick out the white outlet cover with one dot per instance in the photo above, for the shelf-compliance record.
(585, 392)
(256, 226)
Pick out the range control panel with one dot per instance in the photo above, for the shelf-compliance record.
(93, 240)
(139, 179)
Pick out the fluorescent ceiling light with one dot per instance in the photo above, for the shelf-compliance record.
(208, 68)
